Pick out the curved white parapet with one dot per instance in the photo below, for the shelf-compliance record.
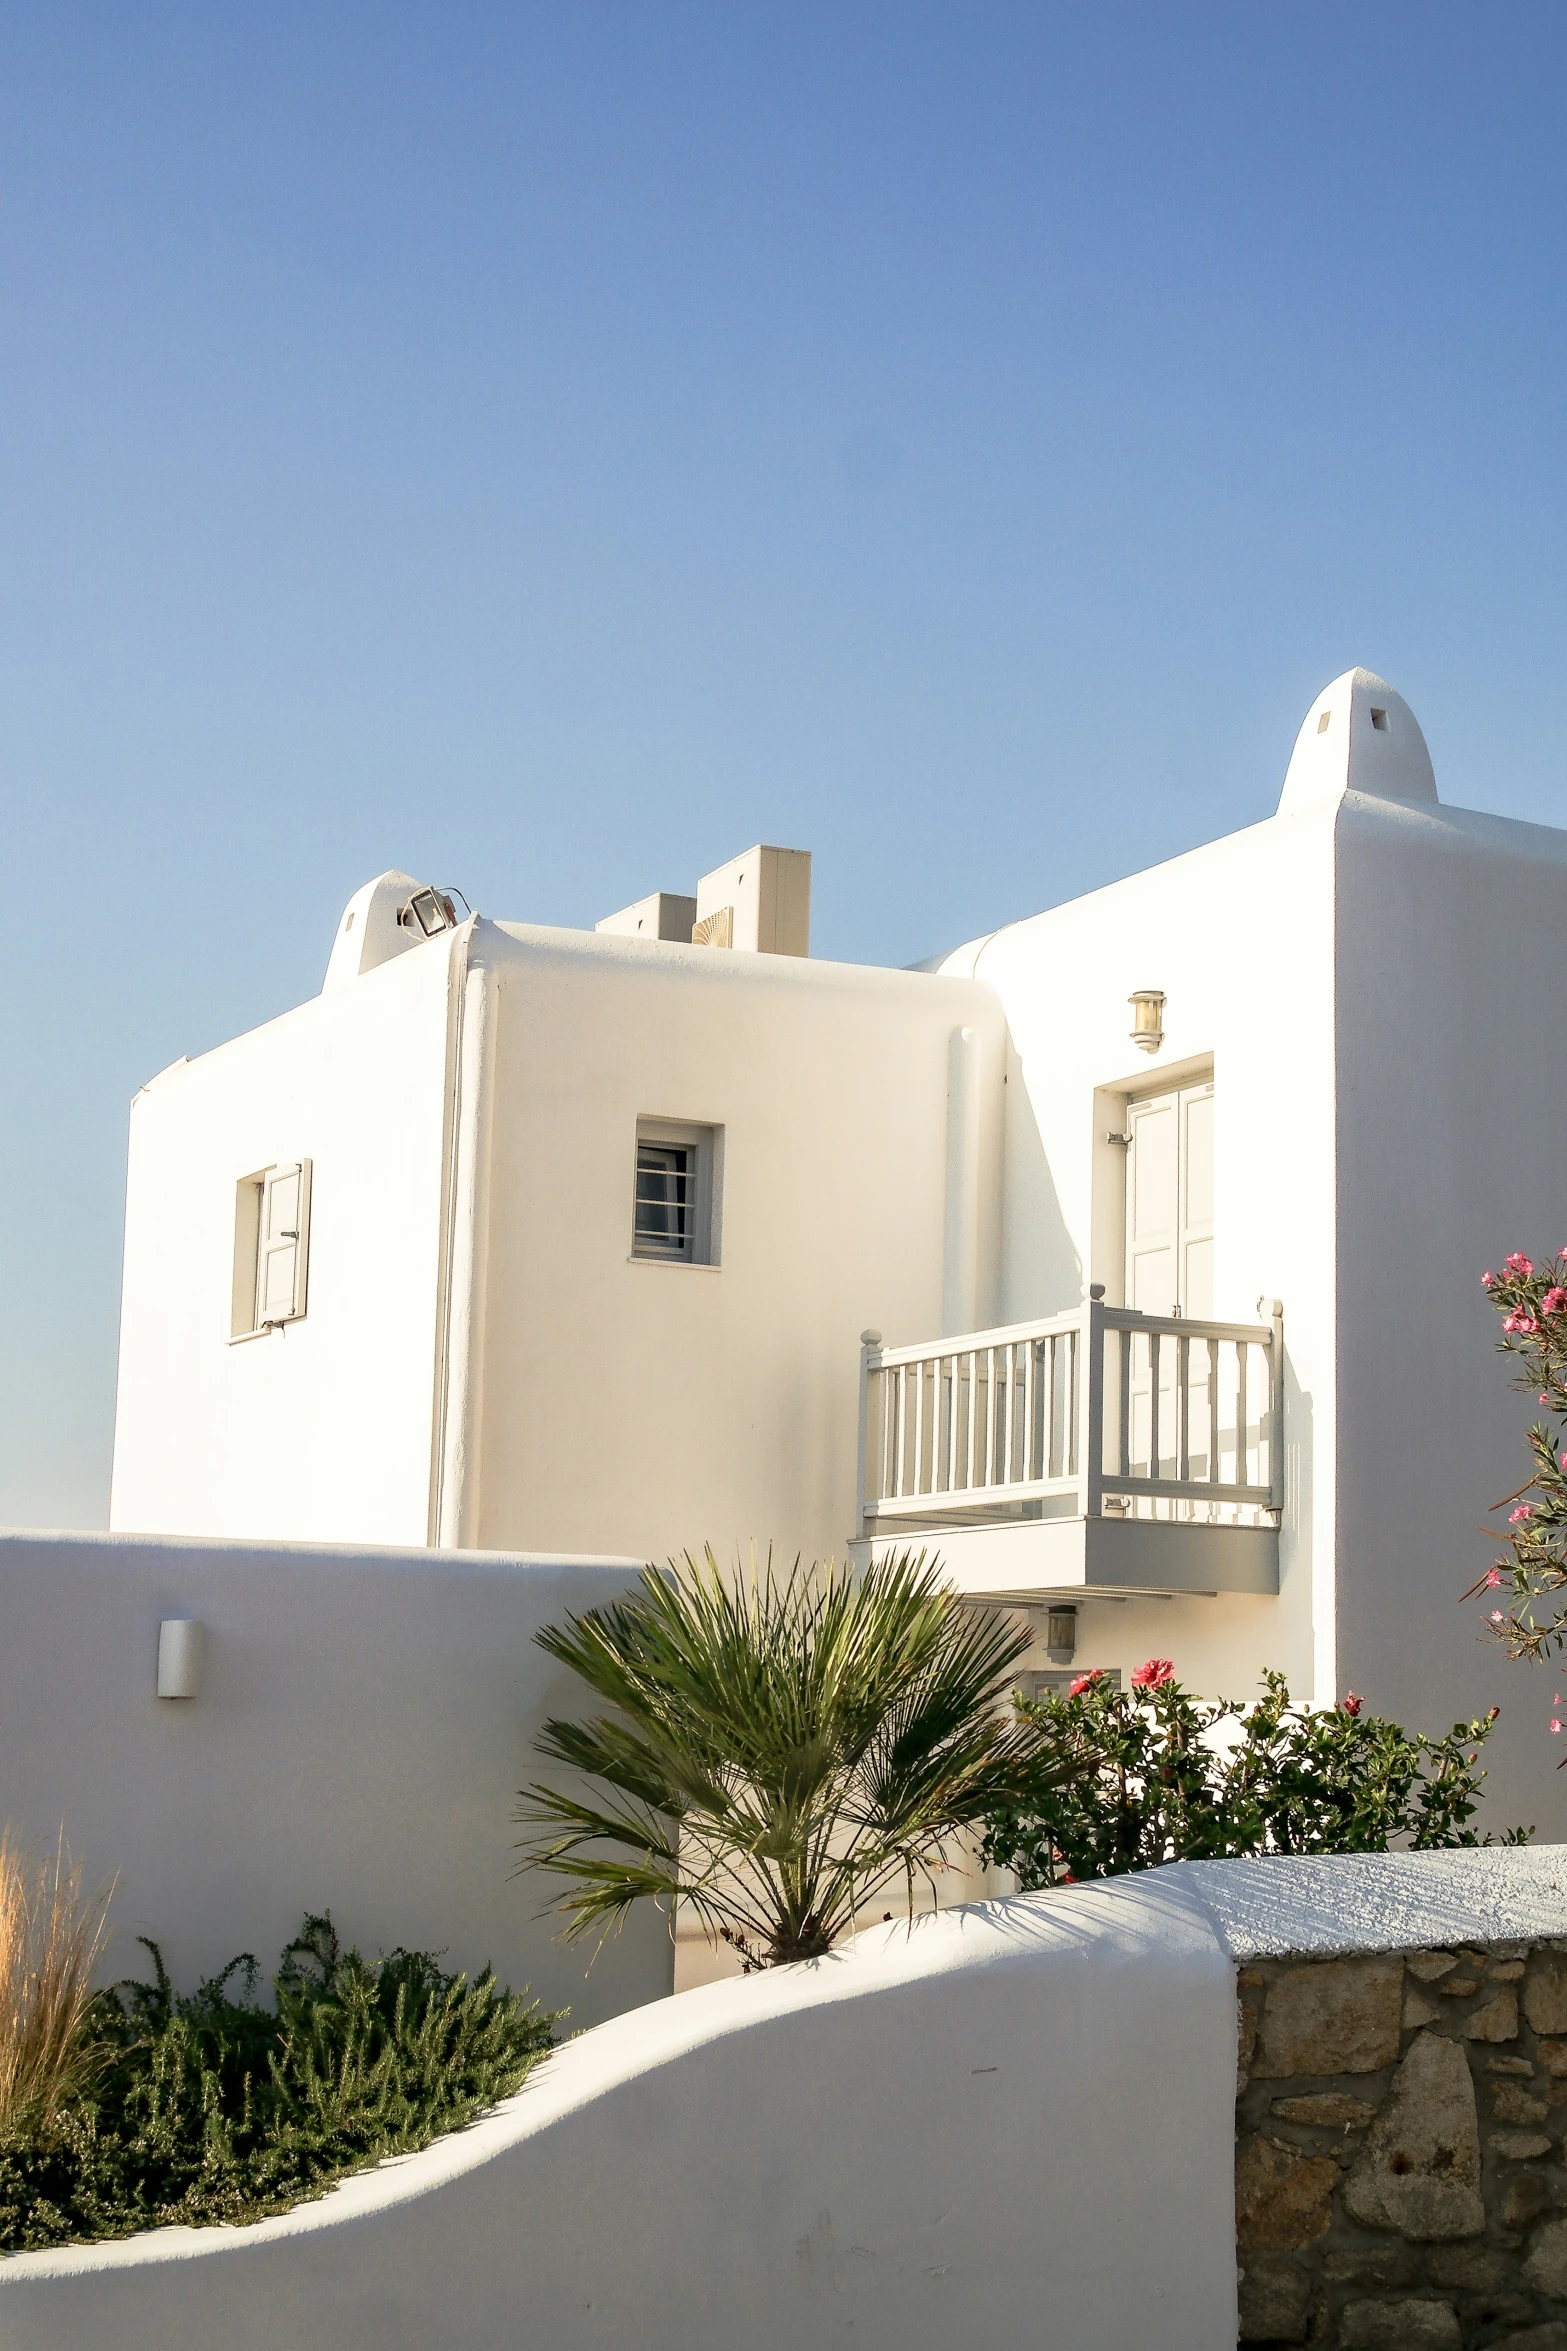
(1012, 2124)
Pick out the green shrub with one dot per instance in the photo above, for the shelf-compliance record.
(208, 2107)
(1149, 1775)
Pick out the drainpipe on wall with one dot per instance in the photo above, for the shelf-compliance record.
(960, 1266)
(454, 1513)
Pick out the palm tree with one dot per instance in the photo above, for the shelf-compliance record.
(782, 1748)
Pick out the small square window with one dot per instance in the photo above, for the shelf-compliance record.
(1322, 723)
(674, 1217)
(1379, 721)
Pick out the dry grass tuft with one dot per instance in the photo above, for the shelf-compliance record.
(51, 1940)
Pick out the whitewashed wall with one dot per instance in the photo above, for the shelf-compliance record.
(1231, 932)
(365, 1720)
(1016, 2124)
(668, 1404)
(581, 1400)
(1452, 1125)
(320, 1431)
(1369, 980)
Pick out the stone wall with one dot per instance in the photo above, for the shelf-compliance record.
(1399, 2182)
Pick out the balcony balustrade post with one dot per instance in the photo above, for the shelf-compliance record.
(1090, 1476)
(869, 1342)
(1276, 1400)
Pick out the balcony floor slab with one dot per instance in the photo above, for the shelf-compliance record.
(1111, 1555)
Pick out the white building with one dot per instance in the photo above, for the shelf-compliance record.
(532, 1239)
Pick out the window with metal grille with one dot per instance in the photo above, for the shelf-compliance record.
(665, 1201)
(675, 1214)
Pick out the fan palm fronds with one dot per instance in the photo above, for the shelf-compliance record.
(782, 1747)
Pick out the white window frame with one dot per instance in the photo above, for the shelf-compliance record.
(252, 1220)
(707, 1143)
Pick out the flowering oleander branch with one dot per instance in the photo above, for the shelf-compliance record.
(1154, 1774)
(1527, 1583)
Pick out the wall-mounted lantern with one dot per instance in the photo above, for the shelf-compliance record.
(1147, 1018)
(1061, 1635)
(180, 1645)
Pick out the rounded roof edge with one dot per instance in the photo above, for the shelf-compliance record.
(1359, 735)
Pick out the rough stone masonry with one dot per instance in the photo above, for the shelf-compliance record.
(1399, 2182)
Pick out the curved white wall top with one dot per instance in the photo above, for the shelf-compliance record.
(1358, 736)
(369, 932)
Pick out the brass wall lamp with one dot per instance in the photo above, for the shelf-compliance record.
(1147, 1018)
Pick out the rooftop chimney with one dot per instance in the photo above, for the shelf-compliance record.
(760, 901)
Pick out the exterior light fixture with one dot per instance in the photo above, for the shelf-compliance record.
(180, 1645)
(1061, 1635)
(1147, 1018)
(430, 912)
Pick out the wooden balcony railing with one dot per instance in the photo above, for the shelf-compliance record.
(1089, 1414)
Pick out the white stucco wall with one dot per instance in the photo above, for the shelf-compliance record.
(364, 1723)
(1014, 2124)
(1366, 977)
(1452, 1150)
(665, 1405)
(320, 1431)
(1239, 935)
(482, 1360)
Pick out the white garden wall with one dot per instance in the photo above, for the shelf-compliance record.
(364, 1722)
(1013, 2124)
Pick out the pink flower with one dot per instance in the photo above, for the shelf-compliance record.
(1518, 1263)
(1555, 1727)
(1497, 1616)
(1524, 1510)
(1154, 1674)
(1350, 1704)
(1086, 1681)
(1493, 1579)
(1523, 1323)
(1554, 1300)
(1488, 1280)
(1562, 1458)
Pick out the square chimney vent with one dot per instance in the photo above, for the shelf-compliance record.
(716, 929)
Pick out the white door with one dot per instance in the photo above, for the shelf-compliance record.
(1169, 1262)
(1169, 1203)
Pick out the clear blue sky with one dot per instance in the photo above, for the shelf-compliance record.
(551, 447)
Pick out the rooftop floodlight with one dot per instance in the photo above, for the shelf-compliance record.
(430, 911)
(1147, 1018)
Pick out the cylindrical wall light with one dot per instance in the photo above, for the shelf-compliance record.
(1061, 1635)
(1147, 1018)
(180, 1646)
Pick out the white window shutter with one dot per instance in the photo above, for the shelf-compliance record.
(284, 1258)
